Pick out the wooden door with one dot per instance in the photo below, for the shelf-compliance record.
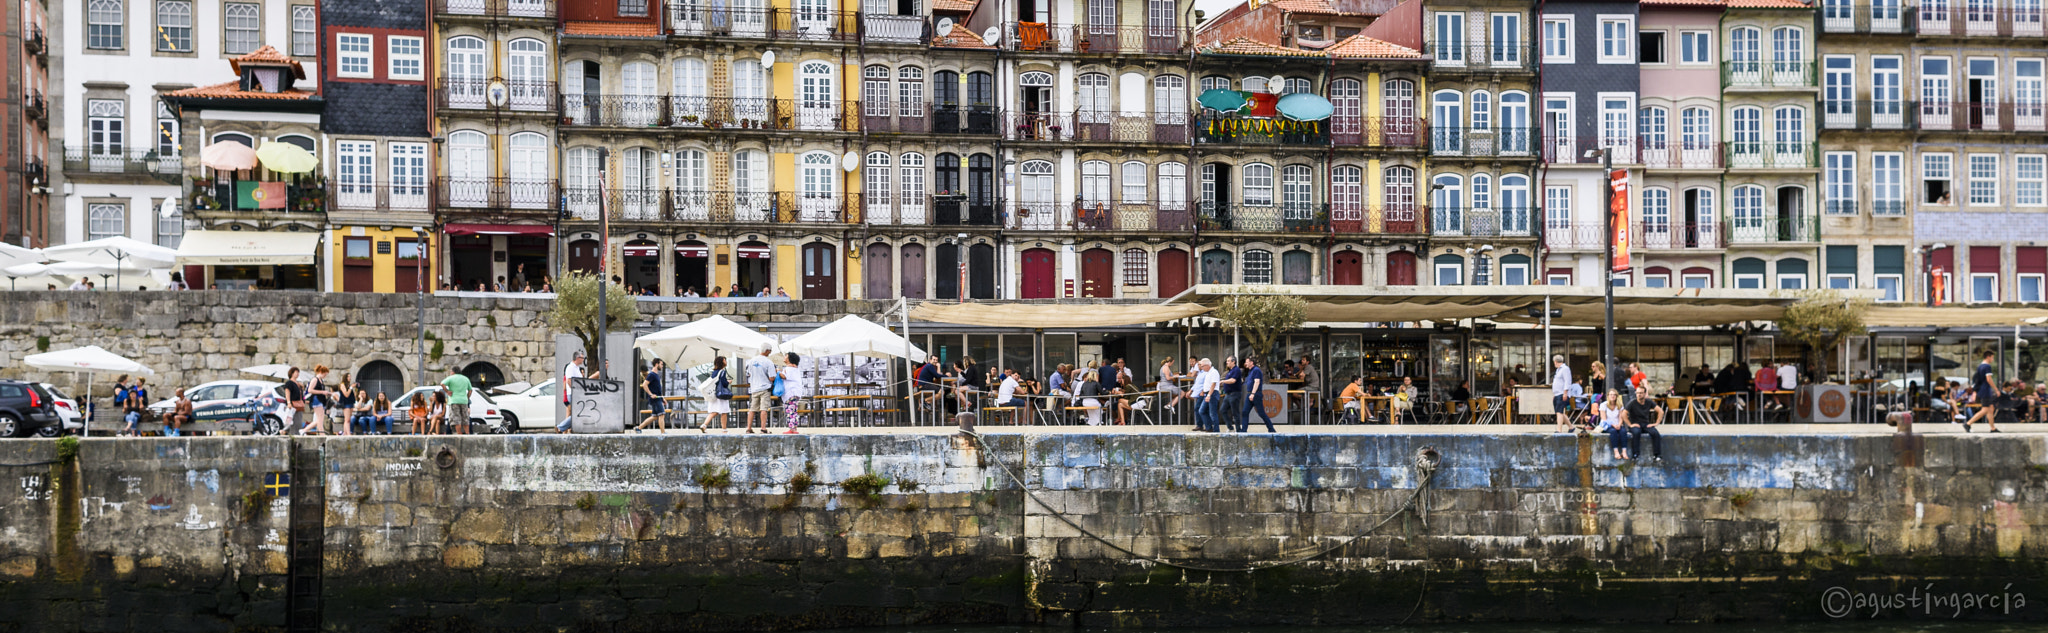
(880, 282)
(1401, 269)
(1347, 268)
(1216, 266)
(913, 271)
(1172, 272)
(820, 272)
(1041, 276)
(1097, 270)
(583, 256)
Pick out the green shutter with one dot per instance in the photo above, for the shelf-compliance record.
(1841, 260)
(1888, 260)
(1792, 267)
(1749, 266)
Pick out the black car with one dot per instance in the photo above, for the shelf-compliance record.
(25, 407)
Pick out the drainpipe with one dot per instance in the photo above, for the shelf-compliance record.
(1329, 170)
(1536, 116)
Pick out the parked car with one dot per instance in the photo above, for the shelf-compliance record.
(67, 410)
(256, 406)
(485, 416)
(534, 408)
(25, 408)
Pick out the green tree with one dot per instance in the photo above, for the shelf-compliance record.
(1262, 318)
(1821, 320)
(575, 309)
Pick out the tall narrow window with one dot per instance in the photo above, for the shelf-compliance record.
(1557, 40)
(1297, 193)
(1450, 39)
(106, 126)
(875, 180)
(1258, 185)
(1983, 180)
(166, 130)
(174, 26)
(910, 92)
(356, 169)
(1936, 178)
(1507, 39)
(1173, 186)
(103, 22)
(874, 90)
(1838, 91)
(1133, 182)
(305, 31)
(1887, 110)
(1887, 183)
(1616, 36)
(408, 175)
(244, 25)
(2029, 173)
(910, 176)
(1840, 182)
(1095, 183)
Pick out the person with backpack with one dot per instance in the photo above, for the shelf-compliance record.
(717, 397)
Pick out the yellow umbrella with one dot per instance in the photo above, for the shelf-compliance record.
(286, 158)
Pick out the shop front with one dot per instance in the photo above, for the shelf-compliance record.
(378, 259)
(486, 255)
(247, 260)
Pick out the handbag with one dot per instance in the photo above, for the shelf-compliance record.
(724, 391)
(778, 386)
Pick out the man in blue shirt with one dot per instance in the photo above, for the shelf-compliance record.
(1255, 391)
(1231, 388)
(1986, 394)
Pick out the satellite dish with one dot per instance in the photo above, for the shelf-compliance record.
(1276, 84)
(768, 59)
(169, 209)
(945, 25)
(849, 162)
(991, 36)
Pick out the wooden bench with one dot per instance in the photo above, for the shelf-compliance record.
(1010, 411)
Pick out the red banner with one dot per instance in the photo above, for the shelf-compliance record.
(1618, 205)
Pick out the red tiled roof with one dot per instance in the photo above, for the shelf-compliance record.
(1682, 3)
(1768, 4)
(1249, 46)
(267, 56)
(613, 29)
(233, 90)
(1360, 46)
(1304, 6)
(962, 6)
(960, 37)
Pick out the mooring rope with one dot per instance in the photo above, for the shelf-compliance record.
(1426, 460)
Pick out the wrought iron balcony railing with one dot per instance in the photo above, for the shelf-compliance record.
(114, 159)
(1389, 220)
(1489, 142)
(1093, 39)
(1087, 126)
(380, 196)
(498, 194)
(1768, 74)
(1488, 57)
(1844, 18)
(657, 111)
(884, 117)
(705, 19)
(537, 97)
(1391, 132)
(538, 9)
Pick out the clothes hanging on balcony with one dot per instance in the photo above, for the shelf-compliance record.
(1033, 36)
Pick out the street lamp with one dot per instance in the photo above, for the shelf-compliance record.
(1607, 260)
(419, 274)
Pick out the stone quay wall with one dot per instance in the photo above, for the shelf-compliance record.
(193, 337)
(732, 533)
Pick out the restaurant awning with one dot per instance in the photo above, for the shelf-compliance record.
(247, 248)
(1051, 316)
(1950, 316)
(497, 229)
(1581, 305)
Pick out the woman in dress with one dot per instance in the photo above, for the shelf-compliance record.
(718, 408)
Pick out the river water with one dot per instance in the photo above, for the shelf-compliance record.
(1843, 626)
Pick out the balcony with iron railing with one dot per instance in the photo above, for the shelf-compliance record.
(1768, 75)
(114, 159)
(1217, 129)
(36, 43)
(670, 112)
(36, 108)
(1844, 18)
(497, 95)
(896, 117)
(1445, 141)
(1649, 235)
(1086, 126)
(380, 196)
(1666, 154)
(1271, 217)
(1561, 149)
(1773, 229)
(1384, 132)
(702, 19)
(664, 205)
(1449, 221)
(223, 195)
(1963, 116)
(1980, 19)
(1491, 57)
(1354, 219)
(534, 9)
(1773, 155)
(1091, 39)
(500, 195)
(1869, 115)
(929, 210)
(1096, 217)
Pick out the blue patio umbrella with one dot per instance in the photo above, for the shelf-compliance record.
(1222, 99)
(1302, 106)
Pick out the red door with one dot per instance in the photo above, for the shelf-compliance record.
(1401, 269)
(1097, 265)
(820, 280)
(1039, 274)
(583, 256)
(1347, 268)
(1173, 272)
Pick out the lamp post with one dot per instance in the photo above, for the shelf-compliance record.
(419, 273)
(1607, 259)
(604, 266)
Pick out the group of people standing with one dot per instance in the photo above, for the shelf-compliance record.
(1227, 399)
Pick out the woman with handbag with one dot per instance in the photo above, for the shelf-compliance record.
(295, 394)
(717, 397)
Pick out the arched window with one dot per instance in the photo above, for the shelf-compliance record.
(106, 220)
(1446, 114)
(235, 137)
(1514, 204)
(876, 184)
(1252, 84)
(1137, 267)
(1215, 82)
(580, 184)
(103, 21)
(469, 159)
(1748, 213)
(1656, 217)
(1788, 124)
(1482, 191)
(1133, 182)
(1034, 78)
(381, 377)
(1747, 130)
(466, 59)
(483, 375)
(1258, 266)
(1092, 97)
(1482, 110)
(1173, 186)
(749, 84)
(1397, 98)
(639, 87)
(244, 25)
(1296, 85)
(1447, 204)
(1095, 182)
(527, 61)
(910, 92)
(173, 25)
(1745, 51)
(1788, 49)
(1039, 203)
(1653, 126)
(528, 160)
(1258, 185)
(750, 174)
(304, 142)
(1399, 192)
(691, 81)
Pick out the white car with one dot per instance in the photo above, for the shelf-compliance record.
(484, 415)
(534, 408)
(73, 418)
(259, 405)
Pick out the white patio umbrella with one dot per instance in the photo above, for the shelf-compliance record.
(274, 370)
(32, 276)
(117, 251)
(697, 342)
(852, 335)
(87, 360)
(11, 255)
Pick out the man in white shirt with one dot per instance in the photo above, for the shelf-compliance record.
(1204, 391)
(1006, 394)
(1788, 377)
(1560, 388)
(760, 389)
(570, 372)
(80, 284)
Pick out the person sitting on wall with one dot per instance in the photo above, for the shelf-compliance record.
(181, 414)
(1644, 415)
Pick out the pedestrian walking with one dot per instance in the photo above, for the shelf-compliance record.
(295, 395)
(760, 389)
(1987, 394)
(1560, 385)
(650, 389)
(1255, 400)
(717, 397)
(1204, 390)
(570, 372)
(1231, 384)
